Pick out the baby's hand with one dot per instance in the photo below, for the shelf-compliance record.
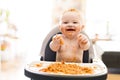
(82, 39)
(58, 40)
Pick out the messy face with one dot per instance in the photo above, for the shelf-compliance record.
(70, 24)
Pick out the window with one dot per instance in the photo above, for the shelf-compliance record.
(102, 17)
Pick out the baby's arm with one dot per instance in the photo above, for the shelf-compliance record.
(56, 42)
(83, 42)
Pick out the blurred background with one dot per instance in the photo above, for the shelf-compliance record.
(25, 23)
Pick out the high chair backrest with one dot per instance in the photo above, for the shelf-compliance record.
(48, 55)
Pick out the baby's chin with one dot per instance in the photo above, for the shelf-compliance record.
(72, 34)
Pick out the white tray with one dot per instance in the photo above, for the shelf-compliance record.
(98, 70)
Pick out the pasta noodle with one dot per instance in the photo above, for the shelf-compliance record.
(61, 67)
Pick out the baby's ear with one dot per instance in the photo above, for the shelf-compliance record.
(82, 27)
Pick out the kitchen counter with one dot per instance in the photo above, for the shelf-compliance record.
(109, 52)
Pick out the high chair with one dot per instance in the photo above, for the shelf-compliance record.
(48, 55)
(89, 57)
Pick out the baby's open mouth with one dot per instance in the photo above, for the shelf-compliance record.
(70, 29)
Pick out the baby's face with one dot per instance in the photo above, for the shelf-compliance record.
(70, 24)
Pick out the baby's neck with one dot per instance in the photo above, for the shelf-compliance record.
(71, 37)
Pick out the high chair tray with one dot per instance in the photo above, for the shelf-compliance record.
(34, 70)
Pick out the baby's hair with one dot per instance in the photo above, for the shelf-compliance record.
(77, 11)
(71, 10)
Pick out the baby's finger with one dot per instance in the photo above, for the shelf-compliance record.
(56, 37)
(79, 36)
(84, 40)
(59, 37)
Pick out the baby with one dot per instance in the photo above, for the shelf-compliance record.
(69, 45)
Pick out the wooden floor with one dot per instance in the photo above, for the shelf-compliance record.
(14, 70)
(113, 77)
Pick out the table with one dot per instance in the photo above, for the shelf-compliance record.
(33, 74)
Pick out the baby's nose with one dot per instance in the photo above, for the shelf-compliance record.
(70, 25)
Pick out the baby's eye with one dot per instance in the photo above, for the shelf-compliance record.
(75, 22)
(65, 22)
